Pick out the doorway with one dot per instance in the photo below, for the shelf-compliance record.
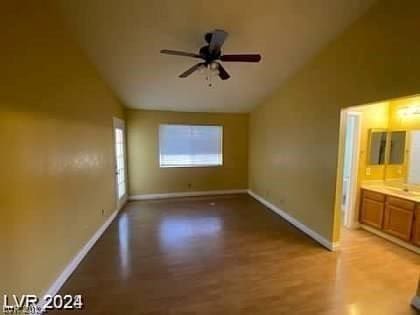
(120, 162)
(350, 168)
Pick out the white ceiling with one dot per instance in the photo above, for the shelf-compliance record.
(123, 39)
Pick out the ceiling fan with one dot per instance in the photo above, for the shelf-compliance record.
(211, 54)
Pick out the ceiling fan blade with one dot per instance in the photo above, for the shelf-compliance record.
(191, 70)
(179, 53)
(241, 58)
(218, 37)
(223, 73)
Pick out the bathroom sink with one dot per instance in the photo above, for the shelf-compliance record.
(402, 192)
(396, 191)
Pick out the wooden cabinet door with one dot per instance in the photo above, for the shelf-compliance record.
(398, 222)
(416, 227)
(372, 213)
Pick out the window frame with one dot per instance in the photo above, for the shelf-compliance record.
(191, 165)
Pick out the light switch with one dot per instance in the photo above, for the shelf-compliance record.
(367, 171)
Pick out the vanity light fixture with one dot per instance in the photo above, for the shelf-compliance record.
(410, 110)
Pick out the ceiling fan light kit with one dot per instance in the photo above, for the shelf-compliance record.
(211, 54)
(210, 71)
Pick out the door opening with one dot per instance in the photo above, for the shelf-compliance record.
(350, 168)
(120, 162)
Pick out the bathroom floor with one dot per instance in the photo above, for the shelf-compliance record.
(231, 255)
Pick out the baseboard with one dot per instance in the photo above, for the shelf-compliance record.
(314, 235)
(415, 302)
(71, 267)
(353, 226)
(187, 194)
(391, 238)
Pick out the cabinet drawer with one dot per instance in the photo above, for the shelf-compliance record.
(400, 203)
(373, 195)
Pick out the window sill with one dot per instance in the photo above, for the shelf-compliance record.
(190, 166)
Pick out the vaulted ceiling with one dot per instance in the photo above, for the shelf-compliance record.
(123, 39)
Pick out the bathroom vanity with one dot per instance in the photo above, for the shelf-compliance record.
(392, 211)
(390, 203)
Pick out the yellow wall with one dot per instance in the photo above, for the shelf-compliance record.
(374, 116)
(56, 145)
(401, 122)
(398, 121)
(294, 135)
(384, 115)
(144, 174)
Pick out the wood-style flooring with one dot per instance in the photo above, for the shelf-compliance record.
(231, 255)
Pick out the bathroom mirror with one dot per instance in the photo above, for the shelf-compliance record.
(377, 146)
(397, 147)
(413, 170)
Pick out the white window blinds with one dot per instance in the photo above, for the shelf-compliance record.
(190, 145)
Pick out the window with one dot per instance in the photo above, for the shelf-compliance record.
(190, 145)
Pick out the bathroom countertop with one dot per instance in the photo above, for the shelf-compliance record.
(393, 191)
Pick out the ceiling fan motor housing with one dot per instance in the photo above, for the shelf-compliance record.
(209, 56)
(207, 37)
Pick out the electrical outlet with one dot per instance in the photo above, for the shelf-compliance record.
(368, 171)
(189, 186)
